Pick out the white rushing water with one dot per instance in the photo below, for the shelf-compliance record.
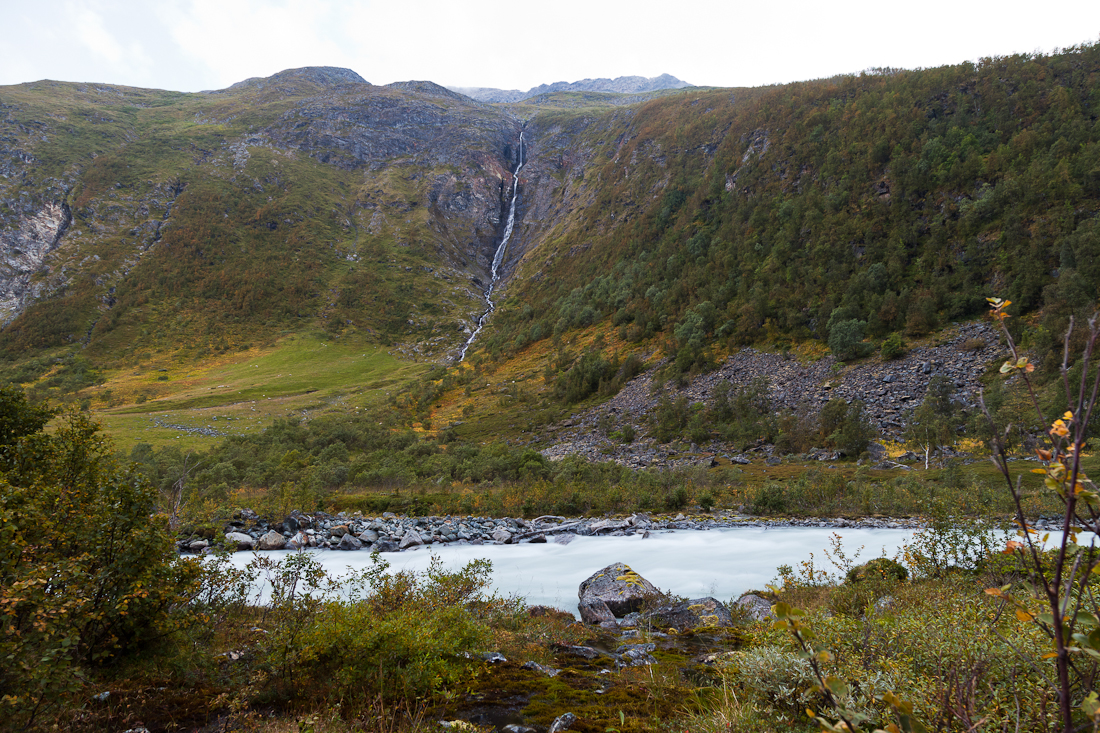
(722, 563)
(498, 257)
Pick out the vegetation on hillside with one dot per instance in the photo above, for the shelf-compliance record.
(852, 208)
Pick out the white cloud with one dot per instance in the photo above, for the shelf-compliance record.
(203, 44)
(238, 39)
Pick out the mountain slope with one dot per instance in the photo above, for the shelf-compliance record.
(140, 222)
(134, 219)
(897, 201)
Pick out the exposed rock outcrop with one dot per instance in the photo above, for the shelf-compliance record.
(23, 252)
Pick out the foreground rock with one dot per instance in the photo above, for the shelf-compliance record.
(755, 607)
(618, 596)
(616, 590)
(691, 615)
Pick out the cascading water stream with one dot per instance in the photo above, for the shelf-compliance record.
(498, 258)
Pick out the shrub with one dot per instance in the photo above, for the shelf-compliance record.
(398, 636)
(846, 340)
(676, 499)
(880, 567)
(770, 499)
(88, 575)
(893, 347)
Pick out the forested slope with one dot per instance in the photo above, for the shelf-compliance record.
(896, 200)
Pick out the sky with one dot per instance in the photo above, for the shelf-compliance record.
(192, 45)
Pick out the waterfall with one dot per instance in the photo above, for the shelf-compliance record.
(498, 258)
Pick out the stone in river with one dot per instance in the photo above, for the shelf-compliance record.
(238, 541)
(411, 539)
(349, 542)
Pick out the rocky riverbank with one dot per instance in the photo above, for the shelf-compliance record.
(393, 533)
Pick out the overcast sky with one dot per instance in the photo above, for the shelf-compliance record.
(190, 45)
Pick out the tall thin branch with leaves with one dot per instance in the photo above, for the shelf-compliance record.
(1059, 577)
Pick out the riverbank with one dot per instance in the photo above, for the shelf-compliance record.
(390, 532)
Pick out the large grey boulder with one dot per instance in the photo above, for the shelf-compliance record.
(238, 541)
(271, 541)
(412, 538)
(621, 589)
(349, 542)
(689, 615)
(299, 541)
(595, 612)
(756, 608)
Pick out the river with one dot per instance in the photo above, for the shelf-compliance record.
(723, 563)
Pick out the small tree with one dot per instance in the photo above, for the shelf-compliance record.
(934, 424)
(846, 340)
(844, 426)
(87, 572)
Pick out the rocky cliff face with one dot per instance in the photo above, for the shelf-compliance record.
(23, 252)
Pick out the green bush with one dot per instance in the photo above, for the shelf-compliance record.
(677, 499)
(394, 635)
(846, 340)
(880, 567)
(770, 499)
(88, 572)
(893, 347)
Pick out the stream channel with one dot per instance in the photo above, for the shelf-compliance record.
(722, 563)
(498, 257)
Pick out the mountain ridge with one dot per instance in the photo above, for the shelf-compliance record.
(680, 226)
(619, 85)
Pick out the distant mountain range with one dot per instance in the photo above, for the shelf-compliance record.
(621, 85)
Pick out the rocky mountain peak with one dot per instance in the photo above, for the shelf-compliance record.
(326, 76)
(426, 87)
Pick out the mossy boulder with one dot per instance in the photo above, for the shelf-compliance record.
(619, 588)
(690, 615)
